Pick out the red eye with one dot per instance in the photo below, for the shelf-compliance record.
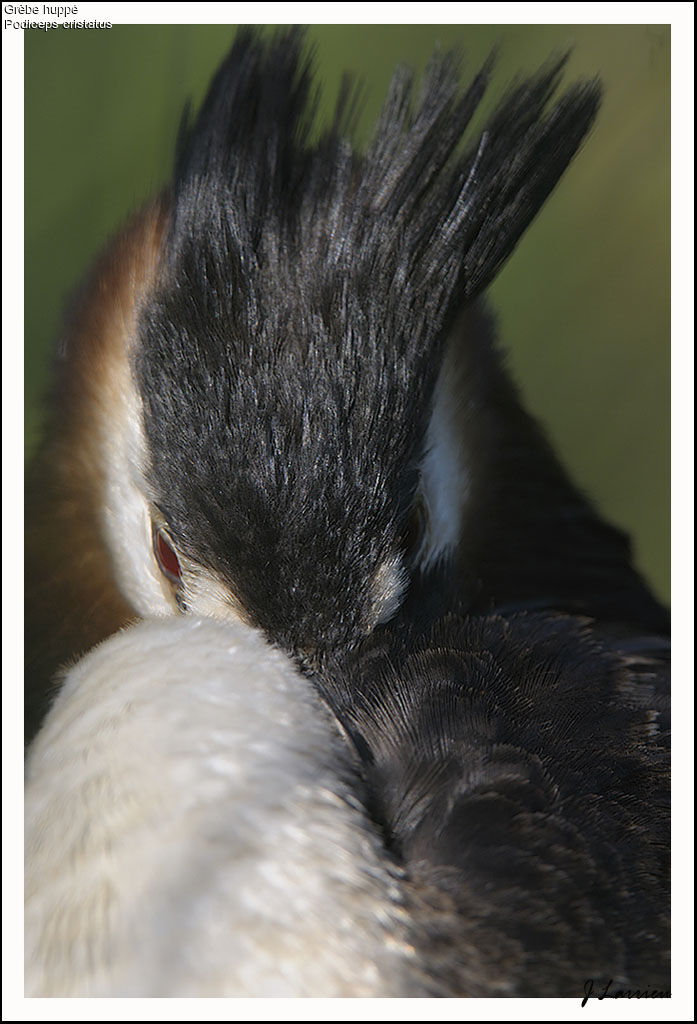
(166, 556)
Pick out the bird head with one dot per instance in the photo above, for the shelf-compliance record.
(281, 455)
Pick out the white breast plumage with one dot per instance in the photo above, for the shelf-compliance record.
(191, 830)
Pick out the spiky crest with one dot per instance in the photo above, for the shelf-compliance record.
(289, 358)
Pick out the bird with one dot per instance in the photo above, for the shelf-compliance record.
(281, 409)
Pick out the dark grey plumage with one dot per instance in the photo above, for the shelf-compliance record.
(519, 763)
(506, 701)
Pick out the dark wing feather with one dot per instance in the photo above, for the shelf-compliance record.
(518, 767)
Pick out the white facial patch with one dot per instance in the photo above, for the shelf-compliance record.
(444, 473)
(387, 589)
(128, 524)
(127, 520)
(205, 594)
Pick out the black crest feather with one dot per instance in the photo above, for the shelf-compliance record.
(306, 292)
(422, 207)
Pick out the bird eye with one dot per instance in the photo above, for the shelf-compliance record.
(414, 530)
(166, 555)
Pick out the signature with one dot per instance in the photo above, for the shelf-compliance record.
(620, 993)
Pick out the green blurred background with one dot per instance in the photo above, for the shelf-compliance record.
(583, 305)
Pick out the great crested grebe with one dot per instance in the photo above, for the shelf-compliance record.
(281, 414)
